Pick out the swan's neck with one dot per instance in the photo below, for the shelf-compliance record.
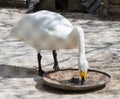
(81, 45)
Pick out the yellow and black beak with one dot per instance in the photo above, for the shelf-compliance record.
(83, 76)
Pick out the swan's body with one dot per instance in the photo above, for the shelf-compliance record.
(45, 30)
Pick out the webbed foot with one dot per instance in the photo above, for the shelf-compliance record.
(41, 73)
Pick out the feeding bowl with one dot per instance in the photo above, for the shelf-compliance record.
(61, 79)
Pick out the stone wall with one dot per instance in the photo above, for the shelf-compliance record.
(73, 5)
(114, 7)
(13, 3)
(47, 4)
(111, 7)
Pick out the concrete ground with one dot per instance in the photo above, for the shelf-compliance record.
(18, 61)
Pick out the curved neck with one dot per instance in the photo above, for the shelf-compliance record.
(81, 44)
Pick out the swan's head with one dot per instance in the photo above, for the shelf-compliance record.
(83, 67)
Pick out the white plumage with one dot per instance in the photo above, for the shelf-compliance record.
(46, 30)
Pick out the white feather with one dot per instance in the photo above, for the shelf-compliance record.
(46, 30)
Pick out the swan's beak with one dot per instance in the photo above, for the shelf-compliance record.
(83, 75)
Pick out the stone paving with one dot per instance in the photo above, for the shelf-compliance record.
(18, 61)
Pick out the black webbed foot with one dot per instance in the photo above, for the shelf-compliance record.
(41, 73)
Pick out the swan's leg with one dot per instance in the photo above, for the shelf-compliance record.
(40, 71)
(56, 66)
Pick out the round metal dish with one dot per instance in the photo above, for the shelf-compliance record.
(60, 79)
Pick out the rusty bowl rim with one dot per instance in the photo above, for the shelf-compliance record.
(76, 88)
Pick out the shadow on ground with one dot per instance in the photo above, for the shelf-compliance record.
(10, 71)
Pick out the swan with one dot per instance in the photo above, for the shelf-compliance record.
(47, 30)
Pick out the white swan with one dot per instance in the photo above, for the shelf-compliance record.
(46, 30)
